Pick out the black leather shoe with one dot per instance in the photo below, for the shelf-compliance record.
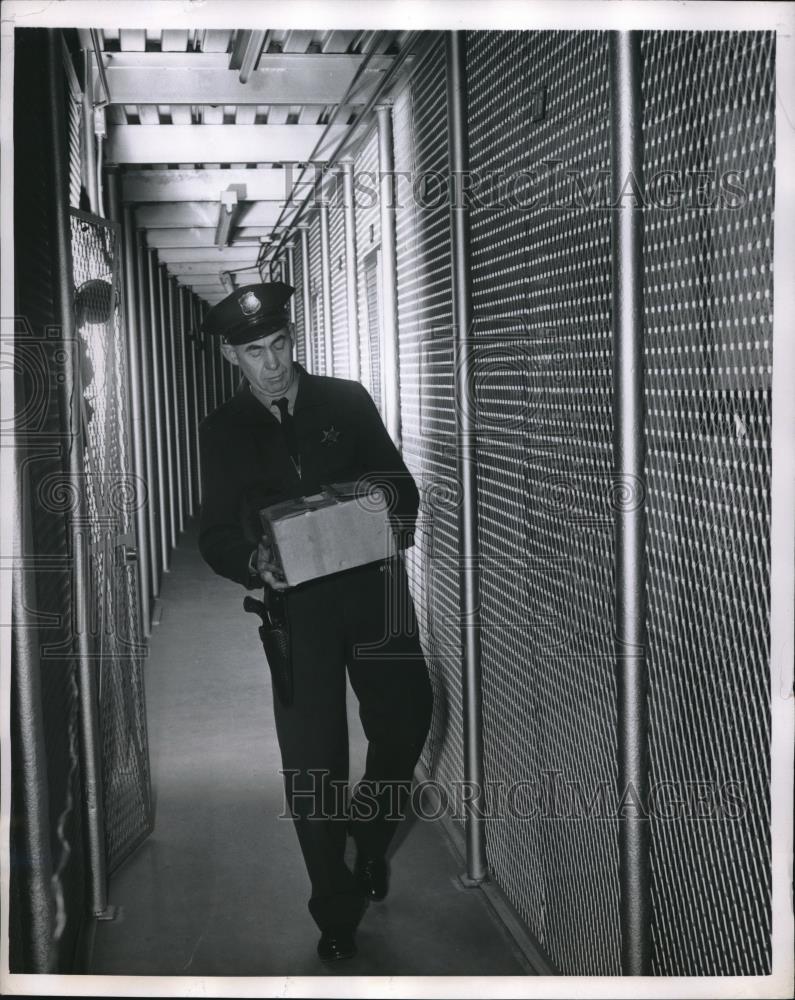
(335, 945)
(373, 876)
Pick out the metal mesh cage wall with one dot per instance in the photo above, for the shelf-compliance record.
(298, 298)
(427, 390)
(339, 285)
(368, 238)
(708, 116)
(75, 112)
(112, 496)
(542, 407)
(316, 290)
(42, 443)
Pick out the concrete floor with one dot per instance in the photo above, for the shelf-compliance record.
(219, 888)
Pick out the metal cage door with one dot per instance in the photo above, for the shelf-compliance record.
(112, 498)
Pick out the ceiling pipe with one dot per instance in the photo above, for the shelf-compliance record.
(103, 79)
(389, 78)
(254, 45)
(318, 145)
(226, 215)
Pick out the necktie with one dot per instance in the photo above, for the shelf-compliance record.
(288, 429)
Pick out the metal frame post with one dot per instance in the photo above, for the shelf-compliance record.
(90, 743)
(205, 350)
(159, 442)
(132, 338)
(186, 407)
(351, 271)
(168, 393)
(197, 404)
(325, 284)
(211, 364)
(219, 370)
(307, 294)
(477, 869)
(174, 331)
(389, 313)
(89, 156)
(148, 425)
(630, 517)
(291, 282)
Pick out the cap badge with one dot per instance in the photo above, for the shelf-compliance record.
(249, 304)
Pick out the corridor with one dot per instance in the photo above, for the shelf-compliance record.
(219, 888)
(527, 269)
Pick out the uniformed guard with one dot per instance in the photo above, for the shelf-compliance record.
(285, 434)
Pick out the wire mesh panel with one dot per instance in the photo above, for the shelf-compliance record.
(708, 121)
(373, 321)
(75, 111)
(368, 239)
(112, 495)
(339, 286)
(316, 286)
(427, 391)
(541, 398)
(298, 299)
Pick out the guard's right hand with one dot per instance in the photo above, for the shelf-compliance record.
(268, 568)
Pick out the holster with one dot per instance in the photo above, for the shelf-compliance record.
(274, 633)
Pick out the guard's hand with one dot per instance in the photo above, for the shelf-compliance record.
(268, 569)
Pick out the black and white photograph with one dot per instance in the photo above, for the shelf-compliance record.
(397, 498)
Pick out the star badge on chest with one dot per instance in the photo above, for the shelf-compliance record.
(330, 436)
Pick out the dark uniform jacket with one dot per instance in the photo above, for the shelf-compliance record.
(246, 465)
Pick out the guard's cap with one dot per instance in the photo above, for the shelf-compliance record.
(250, 312)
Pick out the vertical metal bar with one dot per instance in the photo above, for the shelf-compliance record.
(89, 153)
(38, 947)
(198, 413)
(90, 745)
(168, 392)
(351, 272)
(187, 387)
(306, 291)
(31, 756)
(630, 517)
(219, 370)
(389, 314)
(477, 870)
(289, 277)
(291, 282)
(325, 279)
(174, 335)
(213, 383)
(205, 363)
(158, 444)
(134, 393)
(148, 416)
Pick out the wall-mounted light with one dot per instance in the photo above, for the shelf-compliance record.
(228, 281)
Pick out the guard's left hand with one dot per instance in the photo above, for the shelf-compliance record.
(268, 568)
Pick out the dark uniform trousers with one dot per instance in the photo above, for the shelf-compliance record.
(361, 620)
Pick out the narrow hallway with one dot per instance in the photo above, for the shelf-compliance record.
(219, 888)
